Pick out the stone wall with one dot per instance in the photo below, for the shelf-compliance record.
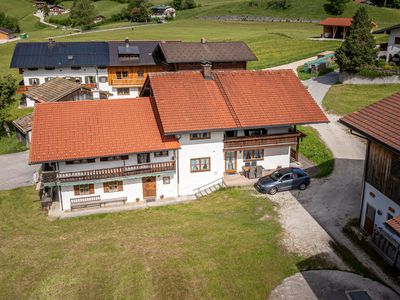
(241, 18)
(350, 78)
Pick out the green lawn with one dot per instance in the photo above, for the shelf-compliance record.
(214, 248)
(343, 99)
(10, 144)
(315, 150)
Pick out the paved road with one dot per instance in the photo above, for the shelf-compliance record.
(41, 19)
(15, 171)
(294, 65)
(329, 285)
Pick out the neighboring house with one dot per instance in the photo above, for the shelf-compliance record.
(23, 127)
(186, 132)
(162, 12)
(56, 89)
(6, 34)
(390, 50)
(120, 67)
(55, 10)
(128, 66)
(179, 56)
(84, 62)
(379, 124)
(337, 28)
(99, 19)
(40, 4)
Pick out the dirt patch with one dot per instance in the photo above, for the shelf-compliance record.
(302, 234)
(265, 217)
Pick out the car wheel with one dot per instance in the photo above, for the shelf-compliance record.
(273, 191)
(302, 186)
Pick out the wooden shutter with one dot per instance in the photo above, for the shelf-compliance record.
(120, 186)
(91, 188)
(77, 191)
(106, 187)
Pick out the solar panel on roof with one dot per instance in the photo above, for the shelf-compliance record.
(128, 50)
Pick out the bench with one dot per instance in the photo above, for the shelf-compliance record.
(88, 201)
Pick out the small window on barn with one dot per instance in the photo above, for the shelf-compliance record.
(122, 74)
(397, 40)
(395, 170)
(140, 74)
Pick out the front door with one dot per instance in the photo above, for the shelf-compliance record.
(230, 162)
(149, 187)
(369, 219)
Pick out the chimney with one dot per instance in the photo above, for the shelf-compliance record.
(206, 70)
(51, 41)
(126, 42)
(203, 40)
(96, 94)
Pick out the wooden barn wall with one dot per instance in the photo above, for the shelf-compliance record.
(379, 172)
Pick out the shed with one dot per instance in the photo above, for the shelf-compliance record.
(6, 34)
(23, 127)
(337, 28)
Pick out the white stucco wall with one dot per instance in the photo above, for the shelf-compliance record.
(274, 157)
(212, 148)
(381, 203)
(132, 189)
(392, 47)
(133, 93)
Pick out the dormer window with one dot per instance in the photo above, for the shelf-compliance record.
(128, 52)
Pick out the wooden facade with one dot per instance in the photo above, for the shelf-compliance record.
(242, 65)
(130, 76)
(383, 171)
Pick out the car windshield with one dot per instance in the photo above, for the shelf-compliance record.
(276, 175)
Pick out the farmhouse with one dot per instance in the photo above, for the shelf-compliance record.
(55, 9)
(390, 50)
(56, 89)
(162, 12)
(6, 34)
(379, 124)
(170, 142)
(120, 67)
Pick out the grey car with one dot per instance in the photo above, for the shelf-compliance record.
(283, 180)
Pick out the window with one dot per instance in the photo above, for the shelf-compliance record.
(143, 158)
(389, 216)
(166, 180)
(200, 136)
(34, 81)
(33, 69)
(200, 164)
(112, 158)
(395, 169)
(255, 132)
(286, 178)
(257, 154)
(231, 133)
(103, 79)
(76, 79)
(80, 161)
(161, 154)
(113, 186)
(123, 91)
(83, 189)
(122, 74)
(90, 79)
(49, 68)
(397, 40)
(140, 74)
(48, 78)
(75, 68)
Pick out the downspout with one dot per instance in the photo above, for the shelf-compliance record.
(59, 189)
(364, 180)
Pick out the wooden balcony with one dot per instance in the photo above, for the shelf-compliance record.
(23, 88)
(253, 142)
(128, 82)
(51, 176)
(89, 86)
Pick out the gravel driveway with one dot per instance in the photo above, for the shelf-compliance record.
(15, 171)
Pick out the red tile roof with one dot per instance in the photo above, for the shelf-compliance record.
(379, 121)
(346, 22)
(233, 99)
(394, 224)
(95, 128)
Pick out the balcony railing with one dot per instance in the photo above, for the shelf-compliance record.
(238, 143)
(52, 176)
(128, 82)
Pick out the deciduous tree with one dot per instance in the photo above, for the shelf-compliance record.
(82, 13)
(335, 7)
(8, 87)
